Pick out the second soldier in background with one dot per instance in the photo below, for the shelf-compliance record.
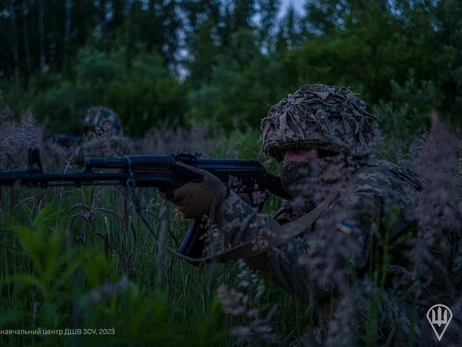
(103, 136)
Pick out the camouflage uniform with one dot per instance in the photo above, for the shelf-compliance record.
(334, 262)
(103, 135)
(103, 122)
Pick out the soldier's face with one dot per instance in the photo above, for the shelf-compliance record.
(300, 154)
(299, 173)
(90, 133)
(302, 170)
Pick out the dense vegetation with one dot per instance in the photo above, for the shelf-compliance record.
(80, 258)
(226, 62)
(196, 70)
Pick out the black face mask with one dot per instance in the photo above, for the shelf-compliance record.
(300, 179)
(308, 182)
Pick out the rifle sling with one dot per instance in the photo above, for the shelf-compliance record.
(272, 239)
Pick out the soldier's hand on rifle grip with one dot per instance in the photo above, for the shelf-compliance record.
(196, 197)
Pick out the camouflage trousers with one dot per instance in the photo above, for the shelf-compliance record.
(369, 316)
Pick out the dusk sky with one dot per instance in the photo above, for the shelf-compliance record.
(298, 4)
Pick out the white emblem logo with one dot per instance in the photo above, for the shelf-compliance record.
(439, 319)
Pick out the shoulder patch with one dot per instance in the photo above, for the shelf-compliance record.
(345, 227)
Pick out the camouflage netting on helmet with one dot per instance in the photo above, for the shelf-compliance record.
(103, 121)
(320, 116)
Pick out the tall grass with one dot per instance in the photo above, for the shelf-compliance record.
(80, 259)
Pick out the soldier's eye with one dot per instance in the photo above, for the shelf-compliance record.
(323, 153)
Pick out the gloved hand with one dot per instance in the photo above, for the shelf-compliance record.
(195, 198)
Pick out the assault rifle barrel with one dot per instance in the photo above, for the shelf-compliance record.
(147, 171)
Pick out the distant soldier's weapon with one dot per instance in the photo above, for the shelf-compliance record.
(243, 176)
(65, 140)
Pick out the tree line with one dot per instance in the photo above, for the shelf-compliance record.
(225, 62)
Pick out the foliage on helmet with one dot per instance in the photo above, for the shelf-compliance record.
(320, 116)
(103, 121)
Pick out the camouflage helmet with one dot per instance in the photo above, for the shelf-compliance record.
(103, 121)
(320, 116)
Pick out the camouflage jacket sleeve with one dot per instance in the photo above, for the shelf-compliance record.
(337, 241)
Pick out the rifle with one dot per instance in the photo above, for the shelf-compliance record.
(158, 171)
(65, 140)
